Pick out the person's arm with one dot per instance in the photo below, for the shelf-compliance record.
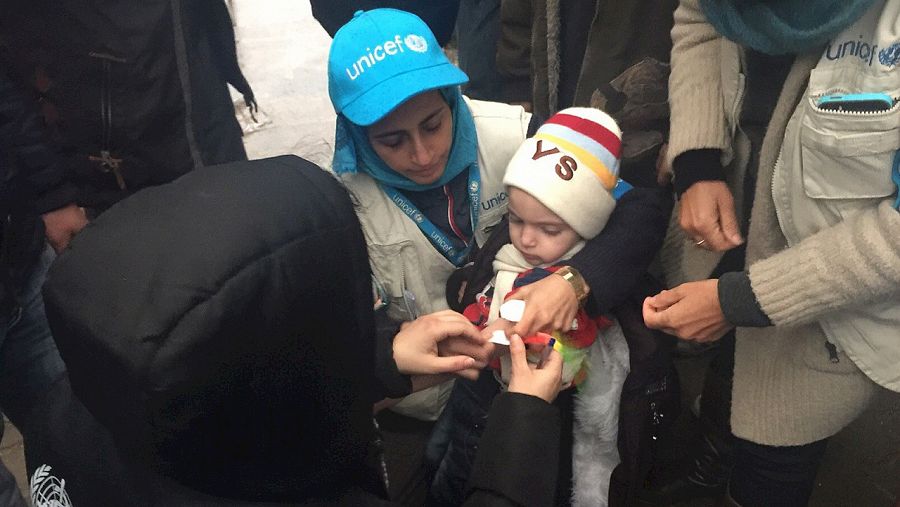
(611, 264)
(696, 101)
(411, 364)
(797, 285)
(699, 131)
(848, 264)
(615, 260)
(432, 344)
(518, 455)
(42, 171)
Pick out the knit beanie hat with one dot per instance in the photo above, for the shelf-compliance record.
(571, 166)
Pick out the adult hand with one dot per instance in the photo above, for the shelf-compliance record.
(481, 351)
(416, 345)
(690, 311)
(550, 304)
(707, 215)
(63, 224)
(543, 380)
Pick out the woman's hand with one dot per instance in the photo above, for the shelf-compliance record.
(543, 380)
(707, 216)
(441, 342)
(690, 311)
(550, 305)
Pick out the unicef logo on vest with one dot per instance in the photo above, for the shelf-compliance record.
(416, 43)
(890, 56)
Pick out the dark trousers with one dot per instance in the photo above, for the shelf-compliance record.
(767, 476)
(451, 450)
(478, 29)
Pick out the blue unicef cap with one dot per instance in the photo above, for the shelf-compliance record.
(381, 58)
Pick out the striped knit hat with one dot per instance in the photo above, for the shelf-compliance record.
(571, 166)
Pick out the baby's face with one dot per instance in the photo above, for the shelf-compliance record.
(536, 232)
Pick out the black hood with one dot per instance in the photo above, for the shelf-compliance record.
(221, 327)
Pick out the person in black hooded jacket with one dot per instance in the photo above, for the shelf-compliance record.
(228, 343)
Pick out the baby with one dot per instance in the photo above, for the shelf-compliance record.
(562, 186)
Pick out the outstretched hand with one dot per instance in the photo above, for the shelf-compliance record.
(707, 216)
(690, 311)
(543, 380)
(418, 346)
(550, 304)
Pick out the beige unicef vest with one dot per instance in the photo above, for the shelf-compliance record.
(835, 164)
(403, 259)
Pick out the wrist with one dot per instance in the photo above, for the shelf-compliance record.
(576, 281)
(697, 165)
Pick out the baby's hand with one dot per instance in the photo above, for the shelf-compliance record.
(542, 380)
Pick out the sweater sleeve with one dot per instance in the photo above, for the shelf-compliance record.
(697, 118)
(739, 303)
(848, 264)
(697, 165)
(518, 455)
(613, 263)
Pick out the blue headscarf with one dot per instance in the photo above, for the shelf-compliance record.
(353, 152)
(783, 26)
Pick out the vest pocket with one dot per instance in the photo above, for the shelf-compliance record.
(849, 155)
(389, 269)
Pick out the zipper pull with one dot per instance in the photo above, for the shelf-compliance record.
(110, 164)
(832, 352)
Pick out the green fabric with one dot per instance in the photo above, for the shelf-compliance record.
(779, 27)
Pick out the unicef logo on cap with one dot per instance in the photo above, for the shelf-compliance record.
(416, 43)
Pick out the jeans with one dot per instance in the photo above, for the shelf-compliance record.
(29, 361)
(767, 476)
(451, 450)
(478, 30)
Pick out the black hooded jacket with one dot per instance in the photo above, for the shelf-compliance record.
(227, 342)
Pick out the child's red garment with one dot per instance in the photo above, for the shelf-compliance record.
(574, 342)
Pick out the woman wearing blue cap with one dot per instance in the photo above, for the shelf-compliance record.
(425, 166)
